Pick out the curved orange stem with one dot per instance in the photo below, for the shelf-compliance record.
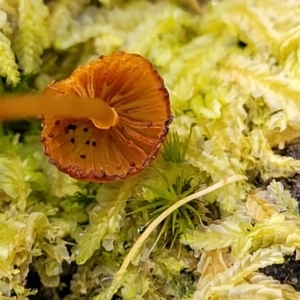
(13, 107)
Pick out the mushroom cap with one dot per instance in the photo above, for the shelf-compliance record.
(129, 84)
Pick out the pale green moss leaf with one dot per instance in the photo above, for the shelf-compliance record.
(221, 283)
(49, 272)
(282, 197)
(276, 232)
(8, 65)
(61, 184)
(135, 286)
(173, 265)
(262, 287)
(17, 244)
(270, 164)
(32, 37)
(106, 218)
(63, 13)
(218, 236)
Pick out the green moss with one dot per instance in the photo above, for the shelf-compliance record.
(233, 77)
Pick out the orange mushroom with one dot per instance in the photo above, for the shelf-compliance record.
(107, 138)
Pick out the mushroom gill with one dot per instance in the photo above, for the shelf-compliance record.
(106, 121)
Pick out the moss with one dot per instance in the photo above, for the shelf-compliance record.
(232, 71)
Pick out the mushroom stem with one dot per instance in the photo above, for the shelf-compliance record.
(13, 107)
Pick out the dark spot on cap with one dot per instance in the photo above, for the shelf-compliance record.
(51, 135)
(71, 126)
(87, 142)
(83, 156)
(149, 124)
(72, 140)
(94, 144)
(57, 122)
(67, 130)
(85, 129)
(132, 164)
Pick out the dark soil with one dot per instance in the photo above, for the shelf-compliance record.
(289, 271)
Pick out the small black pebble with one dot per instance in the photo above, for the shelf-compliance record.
(94, 144)
(83, 156)
(85, 129)
(87, 142)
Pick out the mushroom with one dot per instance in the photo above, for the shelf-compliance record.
(107, 138)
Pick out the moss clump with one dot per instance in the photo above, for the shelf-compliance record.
(232, 70)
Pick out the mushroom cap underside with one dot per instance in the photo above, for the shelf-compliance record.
(129, 84)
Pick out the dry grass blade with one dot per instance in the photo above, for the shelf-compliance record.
(138, 244)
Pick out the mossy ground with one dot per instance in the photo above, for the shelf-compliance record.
(232, 71)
